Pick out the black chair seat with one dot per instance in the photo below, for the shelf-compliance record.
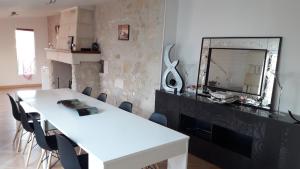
(31, 125)
(34, 115)
(68, 156)
(84, 161)
(52, 142)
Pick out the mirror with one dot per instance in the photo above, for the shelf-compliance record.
(246, 66)
(239, 70)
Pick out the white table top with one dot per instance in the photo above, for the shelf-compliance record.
(109, 135)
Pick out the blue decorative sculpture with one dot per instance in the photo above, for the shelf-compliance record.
(171, 68)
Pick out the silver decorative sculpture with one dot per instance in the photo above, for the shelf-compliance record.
(171, 68)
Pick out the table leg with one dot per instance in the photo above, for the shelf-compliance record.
(178, 162)
(95, 163)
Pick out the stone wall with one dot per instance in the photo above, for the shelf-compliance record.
(86, 74)
(134, 66)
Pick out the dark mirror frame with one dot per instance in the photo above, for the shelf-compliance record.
(202, 84)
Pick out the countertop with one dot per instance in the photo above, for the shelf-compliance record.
(278, 116)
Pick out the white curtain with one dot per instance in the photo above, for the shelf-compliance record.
(25, 45)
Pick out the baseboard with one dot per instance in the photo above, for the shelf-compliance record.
(20, 86)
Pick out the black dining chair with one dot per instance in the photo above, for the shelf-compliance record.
(68, 157)
(17, 117)
(47, 142)
(127, 106)
(28, 127)
(159, 119)
(102, 97)
(87, 91)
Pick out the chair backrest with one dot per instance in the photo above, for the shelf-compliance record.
(14, 108)
(87, 91)
(102, 97)
(24, 119)
(159, 119)
(67, 154)
(127, 106)
(40, 135)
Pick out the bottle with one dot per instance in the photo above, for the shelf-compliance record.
(73, 47)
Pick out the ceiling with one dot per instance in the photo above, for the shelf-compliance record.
(36, 8)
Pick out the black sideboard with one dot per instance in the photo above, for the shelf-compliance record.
(233, 136)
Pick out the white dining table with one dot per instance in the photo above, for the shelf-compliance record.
(113, 138)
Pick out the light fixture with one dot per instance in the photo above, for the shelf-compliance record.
(14, 13)
(52, 2)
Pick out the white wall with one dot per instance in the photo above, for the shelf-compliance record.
(170, 29)
(8, 58)
(199, 18)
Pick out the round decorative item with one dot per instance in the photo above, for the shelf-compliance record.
(172, 82)
(95, 46)
(177, 82)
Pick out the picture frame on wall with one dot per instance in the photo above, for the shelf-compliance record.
(123, 32)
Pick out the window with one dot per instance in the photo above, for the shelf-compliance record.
(25, 46)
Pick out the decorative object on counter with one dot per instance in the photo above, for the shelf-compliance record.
(73, 47)
(80, 107)
(171, 68)
(191, 89)
(223, 97)
(293, 117)
(70, 41)
(244, 65)
(85, 49)
(123, 32)
(95, 46)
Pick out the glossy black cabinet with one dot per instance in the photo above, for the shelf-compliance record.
(233, 136)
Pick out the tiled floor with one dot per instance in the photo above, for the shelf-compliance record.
(9, 159)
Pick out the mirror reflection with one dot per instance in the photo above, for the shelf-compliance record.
(244, 66)
(234, 69)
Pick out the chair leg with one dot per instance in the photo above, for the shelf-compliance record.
(80, 150)
(30, 149)
(19, 141)
(17, 132)
(27, 142)
(41, 159)
(49, 160)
